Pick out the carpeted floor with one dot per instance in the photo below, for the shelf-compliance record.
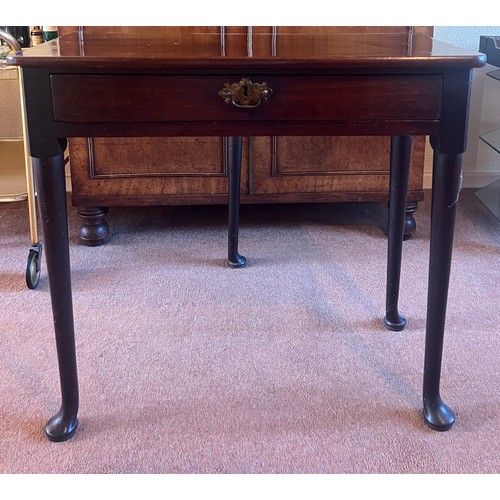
(188, 366)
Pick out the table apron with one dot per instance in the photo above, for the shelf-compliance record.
(158, 98)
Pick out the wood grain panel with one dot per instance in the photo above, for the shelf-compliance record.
(329, 165)
(148, 168)
(158, 156)
(329, 155)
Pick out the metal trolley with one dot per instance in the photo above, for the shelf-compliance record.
(16, 173)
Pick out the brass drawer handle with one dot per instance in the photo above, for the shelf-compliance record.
(245, 94)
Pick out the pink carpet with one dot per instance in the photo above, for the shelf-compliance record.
(188, 366)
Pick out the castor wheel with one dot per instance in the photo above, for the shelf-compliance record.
(34, 266)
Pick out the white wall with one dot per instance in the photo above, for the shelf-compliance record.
(481, 165)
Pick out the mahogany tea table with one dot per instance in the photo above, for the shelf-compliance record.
(397, 85)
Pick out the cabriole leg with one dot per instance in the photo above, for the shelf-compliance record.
(447, 178)
(234, 147)
(51, 187)
(400, 167)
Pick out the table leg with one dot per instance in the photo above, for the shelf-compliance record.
(447, 179)
(399, 173)
(51, 187)
(233, 151)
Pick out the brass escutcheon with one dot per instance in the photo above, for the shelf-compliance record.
(245, 94)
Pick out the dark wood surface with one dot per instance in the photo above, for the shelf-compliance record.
(150, 51)
(436, 104)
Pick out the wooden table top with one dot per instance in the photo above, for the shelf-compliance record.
(187, 48)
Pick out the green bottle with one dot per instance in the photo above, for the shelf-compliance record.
(49, 33)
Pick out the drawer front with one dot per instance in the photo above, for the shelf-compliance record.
(151, 98)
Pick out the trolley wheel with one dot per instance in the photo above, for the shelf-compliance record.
(33, 268)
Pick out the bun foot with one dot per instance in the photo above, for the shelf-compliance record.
(438, 416)
(60, 428)
(240, 261)
(94, 228)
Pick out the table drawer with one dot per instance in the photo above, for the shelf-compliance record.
(158, 98)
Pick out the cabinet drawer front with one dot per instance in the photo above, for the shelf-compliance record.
(129, 98)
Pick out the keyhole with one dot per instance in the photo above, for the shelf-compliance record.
(245, 90)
